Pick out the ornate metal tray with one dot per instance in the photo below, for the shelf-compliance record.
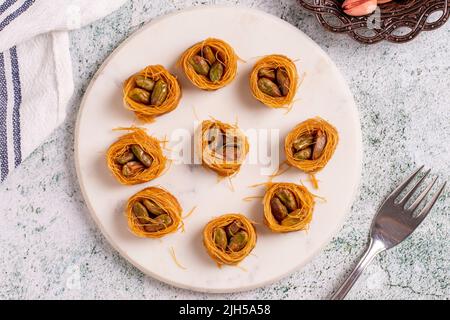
(397, 21)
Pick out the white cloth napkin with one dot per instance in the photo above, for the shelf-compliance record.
(36, 79)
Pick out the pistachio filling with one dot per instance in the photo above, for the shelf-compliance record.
(224, 144)
(309, 146)
(274, 82)
(282, 204)
(205, 63)
(231, 237)
(149, 91)
(150, 216)
(134, 161)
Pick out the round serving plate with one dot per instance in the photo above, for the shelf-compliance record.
(323, 93)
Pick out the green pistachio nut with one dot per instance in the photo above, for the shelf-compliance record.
(164, 219)
(131, 168)
(283, 81)
(141, 155)
(267, 73)
(200, 65)
(303, 142)
(287, 198)
(209, 55)
(279, 211)
(126, 157)
(159, 94)
(269, 87)
(139, 95)
(304, 154)
(216, 72)
(319, 146)
(220, 238)
(233, 228)
(152, 207)
(238, 241)
(154, 227)
(290, 221)
(144, 83)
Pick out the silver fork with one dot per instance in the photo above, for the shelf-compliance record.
(392, 224)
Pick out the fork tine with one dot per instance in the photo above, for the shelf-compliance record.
(411, 192)
(425, 211)
(402, 186)
(422, 196)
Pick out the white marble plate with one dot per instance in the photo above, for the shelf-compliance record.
(322, 93)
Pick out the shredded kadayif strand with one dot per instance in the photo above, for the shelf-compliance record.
(224, 54)
(226, 256)
(304, 213)
(311, 126)
(162, 199)
(149, 144)
(274, 62)
(147, 113)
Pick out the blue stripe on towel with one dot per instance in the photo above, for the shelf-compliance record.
(5, 5)
(17, 104)
(24, 7)
(3, 113)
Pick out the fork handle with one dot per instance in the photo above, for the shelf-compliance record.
(375, 247)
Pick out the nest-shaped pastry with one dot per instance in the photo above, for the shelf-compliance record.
(147, 109)
(153, 213)
(239, 241)
(223, 147)
(311, 144)
(210, 51)
(287, 207)
(274, 81)
(148, 165)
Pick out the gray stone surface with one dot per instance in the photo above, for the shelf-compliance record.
(51, 248)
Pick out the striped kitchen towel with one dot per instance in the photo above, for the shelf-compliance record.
(36, 79)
